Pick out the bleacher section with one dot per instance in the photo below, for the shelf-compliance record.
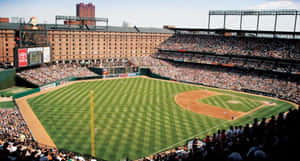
(236, 46)
(48, 74)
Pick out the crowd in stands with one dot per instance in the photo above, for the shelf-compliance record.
(18, 144)
(229, 78)
(47, 74)
(245, 46)
(114, 66)
(110, 63)
(264, 140)
(283, 67)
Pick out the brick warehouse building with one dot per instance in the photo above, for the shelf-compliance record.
(75, 44)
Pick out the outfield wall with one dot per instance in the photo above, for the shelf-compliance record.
(71, 79)
(7, 78)
(147, 72)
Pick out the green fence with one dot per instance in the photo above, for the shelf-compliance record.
(7, 78)
(22, 94)
(147, 72)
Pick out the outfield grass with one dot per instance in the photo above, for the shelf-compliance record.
(223, 101)
(133, 117)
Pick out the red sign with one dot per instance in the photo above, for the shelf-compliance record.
(22, 57)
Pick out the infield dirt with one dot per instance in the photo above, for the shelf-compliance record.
(190, 101)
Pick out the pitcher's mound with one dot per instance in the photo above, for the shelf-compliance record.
(234, 102)
(269, 103)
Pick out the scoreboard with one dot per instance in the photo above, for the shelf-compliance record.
(35, 55)
(32, 56)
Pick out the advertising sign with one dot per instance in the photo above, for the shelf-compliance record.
(46, 55)
(22, 57)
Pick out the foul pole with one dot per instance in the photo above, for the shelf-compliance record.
(92, 124)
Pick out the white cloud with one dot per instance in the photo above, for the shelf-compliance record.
(277, 4)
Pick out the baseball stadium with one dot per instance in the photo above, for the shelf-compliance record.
(81, 91)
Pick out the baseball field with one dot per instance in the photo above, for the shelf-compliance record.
(136, 117)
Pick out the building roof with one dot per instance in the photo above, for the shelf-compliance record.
(248, 33)
(233, 30)
(11, 26)
(14, 26)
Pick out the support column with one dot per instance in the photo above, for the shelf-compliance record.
(224, 25)
(208, 21)
(257, 23)
(295, 24)
(241, 21)
(275, 25)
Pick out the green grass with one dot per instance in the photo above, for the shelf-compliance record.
(133, 117)
(244, 104)
(7, 104)
(13, 90)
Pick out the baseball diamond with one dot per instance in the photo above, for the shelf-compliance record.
(136, 117)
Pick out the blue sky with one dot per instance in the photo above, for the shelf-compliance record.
(154, 13)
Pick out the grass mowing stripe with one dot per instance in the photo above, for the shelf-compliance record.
(74, 95)
(52, 97)
(249, 104)
(223, 102)
(81, 94)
